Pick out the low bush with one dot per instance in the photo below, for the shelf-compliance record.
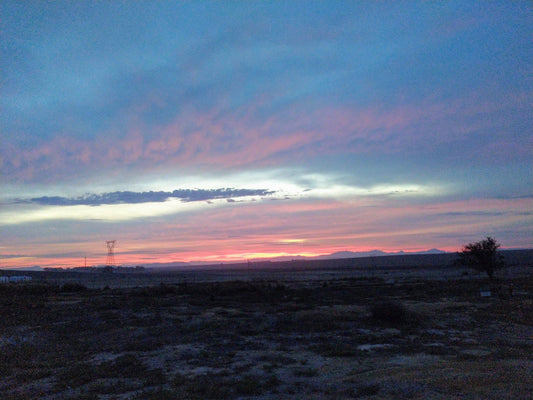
(220, 386)
(249, 385)
(395, 314)
(73, 287)
(389, 311)
(124, 366)
(369, 389)
(87, 396)
(157, 291)
(202, 386)
(305, 372)
(77, 375)
(336, 349)
(154, 377)
(158, 394)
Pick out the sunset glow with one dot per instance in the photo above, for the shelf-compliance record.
(222, 131)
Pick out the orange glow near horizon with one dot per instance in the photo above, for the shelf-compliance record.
(192, 258)
(259, 230)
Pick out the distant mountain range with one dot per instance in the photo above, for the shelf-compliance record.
(332, 256)
(352, 254)
(512, 257)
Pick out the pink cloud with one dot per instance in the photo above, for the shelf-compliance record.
(221, 139)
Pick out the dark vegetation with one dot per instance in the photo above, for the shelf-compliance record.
(243, 339)
(390, 312)
(483, 256)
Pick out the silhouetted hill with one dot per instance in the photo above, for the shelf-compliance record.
(373, 253)
(378, 259)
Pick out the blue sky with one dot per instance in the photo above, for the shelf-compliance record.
(296, 127)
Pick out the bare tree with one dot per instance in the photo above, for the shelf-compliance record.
(483, 256)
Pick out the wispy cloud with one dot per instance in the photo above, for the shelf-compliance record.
(242, 137)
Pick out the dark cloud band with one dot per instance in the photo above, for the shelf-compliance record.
(127, 197)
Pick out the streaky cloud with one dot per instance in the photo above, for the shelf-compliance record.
(6, 256)
(129, 197)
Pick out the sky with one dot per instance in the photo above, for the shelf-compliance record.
(221, 131)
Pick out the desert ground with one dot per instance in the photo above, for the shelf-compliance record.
(332, 333)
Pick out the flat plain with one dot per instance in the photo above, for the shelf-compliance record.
(334, 333)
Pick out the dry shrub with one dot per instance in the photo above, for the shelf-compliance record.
(73, 287)
(394, 313)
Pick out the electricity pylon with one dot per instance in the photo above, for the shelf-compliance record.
(110, 260)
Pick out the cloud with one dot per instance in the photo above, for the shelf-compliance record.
(183, 231)
(13, 256)
(142, 205)
(212, 139)
(462, 130)
(128, 197)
